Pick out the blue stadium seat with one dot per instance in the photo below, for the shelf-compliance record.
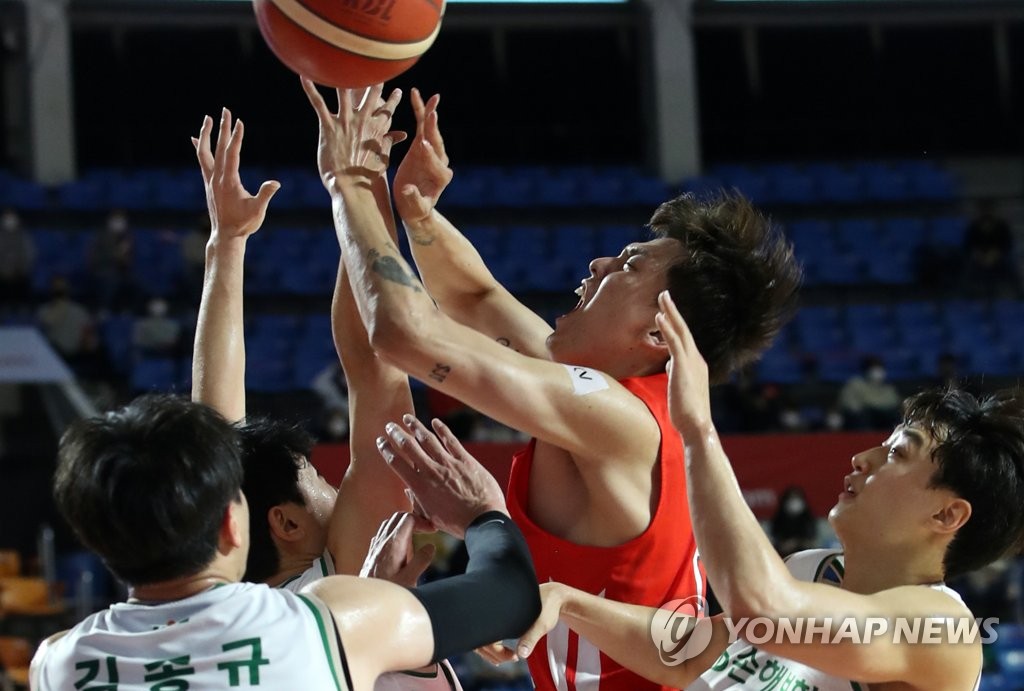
(836, 184)
(316, 327)
(646, 190)
(928, 182)
(23, 195)
(271, 376)
(309, 359)
(605, 188)
(154, 374)
(884, 183)
(840, 270)
(947, 231)
(751, 184)
(274, 326)
(611, 240)
(558, 188)
(860, 235)
(789, 185)
(467, 189)
(819, 316)
(574, 244)
(893, 266)
(82, 195)
(906, 233)
(516, 188)
(916, 313)
(116, 334)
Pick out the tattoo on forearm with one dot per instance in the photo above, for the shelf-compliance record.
(421, 238)
(507, 343)
(391, 270)
(440, 372)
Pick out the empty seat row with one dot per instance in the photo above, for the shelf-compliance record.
(512, 186)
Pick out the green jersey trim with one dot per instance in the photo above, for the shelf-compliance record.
(327, 641)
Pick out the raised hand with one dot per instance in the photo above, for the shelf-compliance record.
(689, 399)
(450, 487)
(355, 142)
(424, 173)
(391, 555)
(233, 211)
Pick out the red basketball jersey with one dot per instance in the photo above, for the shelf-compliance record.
(659, 565)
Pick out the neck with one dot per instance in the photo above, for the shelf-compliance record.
(179, 588)
(291, 565)
(874, 569)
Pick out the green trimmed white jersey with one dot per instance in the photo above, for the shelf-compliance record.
(443, 677)
(744, 667)
(237, 635)
(321, 568)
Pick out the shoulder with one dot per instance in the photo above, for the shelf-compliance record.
(39, 659)
(817, 566)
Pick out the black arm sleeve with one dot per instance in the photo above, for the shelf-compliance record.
(496, 598)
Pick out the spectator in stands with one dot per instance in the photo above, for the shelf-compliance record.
(111, 264)
(67, 324)
(867, 400)
(17, 257)
(793, 527)
(989, 270)
(815, 398)
(157, 333)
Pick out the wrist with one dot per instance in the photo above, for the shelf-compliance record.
(343, 185)
(223, 241)
(700, 434)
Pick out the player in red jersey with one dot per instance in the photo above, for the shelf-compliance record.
(603, 482)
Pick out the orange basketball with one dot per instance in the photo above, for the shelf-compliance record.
(349, 43)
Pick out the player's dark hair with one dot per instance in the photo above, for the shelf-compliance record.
(272, 453)
(980, 456)
(146, 486)
(737, 283)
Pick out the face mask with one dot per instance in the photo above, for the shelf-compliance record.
(337, 426)
(158, 308)
(794, 506)
(117, 224)
(876, 375)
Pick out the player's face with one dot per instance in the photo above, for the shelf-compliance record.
(319, 496)
(887, 499)
(618, 302)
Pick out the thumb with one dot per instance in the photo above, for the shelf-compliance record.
(267, 191)
(528, 641)
(422, 559)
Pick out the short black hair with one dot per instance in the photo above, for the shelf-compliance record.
(146, 486)
(272, 452)
(737, 283)
(979, 455)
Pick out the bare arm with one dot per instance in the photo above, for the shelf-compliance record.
(218, 358)
(734, 549)
(378, 393)
(536, 396)
(671, 648)
(453, 271)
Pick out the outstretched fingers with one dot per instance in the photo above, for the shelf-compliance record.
(202, 145)
(450, 441)
(315, 99)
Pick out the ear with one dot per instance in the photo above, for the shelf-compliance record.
(654, 339)
(951, 517)
(284, 524)
(233, 528)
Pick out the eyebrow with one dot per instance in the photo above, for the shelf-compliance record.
(916, 438)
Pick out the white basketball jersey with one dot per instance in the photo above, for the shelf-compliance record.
(443, 677)
(242, 634)
(321, 568)
(742, 666)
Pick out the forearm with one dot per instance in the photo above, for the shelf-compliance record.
(452, 269)
(622, 632)
(378, 393)
(392, 304)
(218, 358)
(739, 558)
(496, 598)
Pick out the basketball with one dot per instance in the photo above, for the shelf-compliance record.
(349, 43)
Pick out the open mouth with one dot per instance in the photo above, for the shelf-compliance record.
(848, 487)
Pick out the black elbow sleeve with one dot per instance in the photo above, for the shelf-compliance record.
(496, 598)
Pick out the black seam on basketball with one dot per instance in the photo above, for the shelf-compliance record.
(356, 33)
(328, 43)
